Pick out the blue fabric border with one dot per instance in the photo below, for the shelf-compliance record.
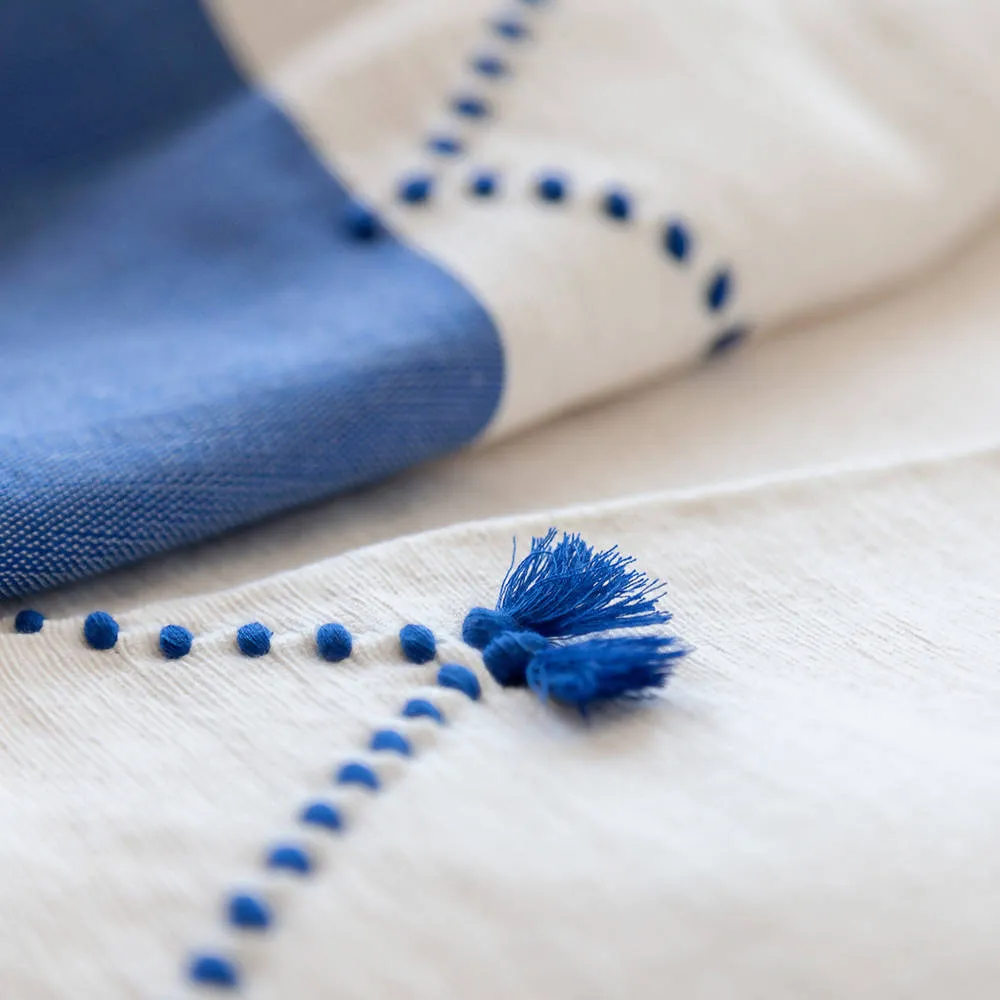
(190, 339)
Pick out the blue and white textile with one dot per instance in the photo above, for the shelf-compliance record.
(197, 333)
(253, 253)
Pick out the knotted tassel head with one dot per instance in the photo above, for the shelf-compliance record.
(482, 626)
(508, 655)
(563, 589)
(596, 670)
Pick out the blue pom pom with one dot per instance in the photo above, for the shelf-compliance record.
(289, 857)
(392, 741)
(361, 222)
(508, 655)
(552, 187)
(511, 29)
(617, 205)
(214, 970)
(718, 290)
(417, 643)
(460, 678)
(254, 639)
(677, 240)
(322, 814)
(248, 912)
(727, 340)
(421, 708)
(28, 622)
(333, 642)
(489, 65)
(470, 107)
(444, 145)
(100, 630)
(483, 184)
(356, 773)
(482, 626)
(175, 641)
(416, 188)
(594, 670)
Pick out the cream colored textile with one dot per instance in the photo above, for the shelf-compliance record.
(810, 810)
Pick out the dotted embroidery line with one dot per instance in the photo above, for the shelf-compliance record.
(249, 912)
(616, 203)
(334, 642)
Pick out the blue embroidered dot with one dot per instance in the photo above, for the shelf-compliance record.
(511, 29)
(416, 188)
(417, 643)
(100, 630)
(483, 184)
(677, 240)
(617, 205)
(248, 912)
(254, 639)
(452, 675)
(718, 290)
(322, 814)
(28, 622)
(356, 773)
(214, 970)
(421, 708)
(470, 107)
(333, 642)
(289, 857)
(391, 740)
(175, 641)
(727, 340)
(552, 187)
(492, 66)
(444, 145)
(360, 221)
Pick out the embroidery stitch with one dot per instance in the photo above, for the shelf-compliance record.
(100, 630)
(175, 641)
(252, 912)
(29, 622)
(254, 639)
(417, 643)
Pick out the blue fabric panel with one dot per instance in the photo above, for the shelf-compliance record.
(82, 78)
(190, 341)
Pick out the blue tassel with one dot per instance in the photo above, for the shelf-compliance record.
(595, 670)
(564, 589)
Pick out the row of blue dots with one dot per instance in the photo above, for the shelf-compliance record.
(248, 911)
(490, 66)
(333, 641)
(616, 204)
(554, 188)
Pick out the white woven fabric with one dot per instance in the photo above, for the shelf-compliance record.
(809, 811)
